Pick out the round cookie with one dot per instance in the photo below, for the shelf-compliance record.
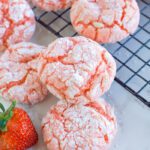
(105, 21)
(18, 74)
(52, 5)
(83, 126)
(17, 22)
(74, 67)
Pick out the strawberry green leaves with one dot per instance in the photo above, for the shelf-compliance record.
(5, 116)
(2, 107)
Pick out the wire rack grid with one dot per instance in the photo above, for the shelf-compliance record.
(132, 54)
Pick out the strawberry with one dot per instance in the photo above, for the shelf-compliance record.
(16, 129)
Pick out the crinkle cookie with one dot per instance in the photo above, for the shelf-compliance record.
(52, 5)
(18, 74)
(74, 67)
(83, 126)
(105, 21)
(17, 23)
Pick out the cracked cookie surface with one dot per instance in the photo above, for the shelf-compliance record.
(105, 21)
(52, 5)
(76, 67)
(17, 23)
(18, 74)
(83, 126)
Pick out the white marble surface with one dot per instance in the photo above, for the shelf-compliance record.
(133, 117)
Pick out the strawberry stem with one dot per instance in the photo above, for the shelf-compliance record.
(5, 116)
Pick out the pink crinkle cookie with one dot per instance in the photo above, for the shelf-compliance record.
(74, 67)
(83, 126)
(17, 22)
(105, 21)
(52, 5)
(18, 74)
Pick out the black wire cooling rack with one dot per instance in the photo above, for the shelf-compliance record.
(132, 54)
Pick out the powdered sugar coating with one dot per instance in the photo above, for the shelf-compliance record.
(83, 126)
(105, 21)
(18, 74)
(17, 22)
(75, 67)
(52, 5)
